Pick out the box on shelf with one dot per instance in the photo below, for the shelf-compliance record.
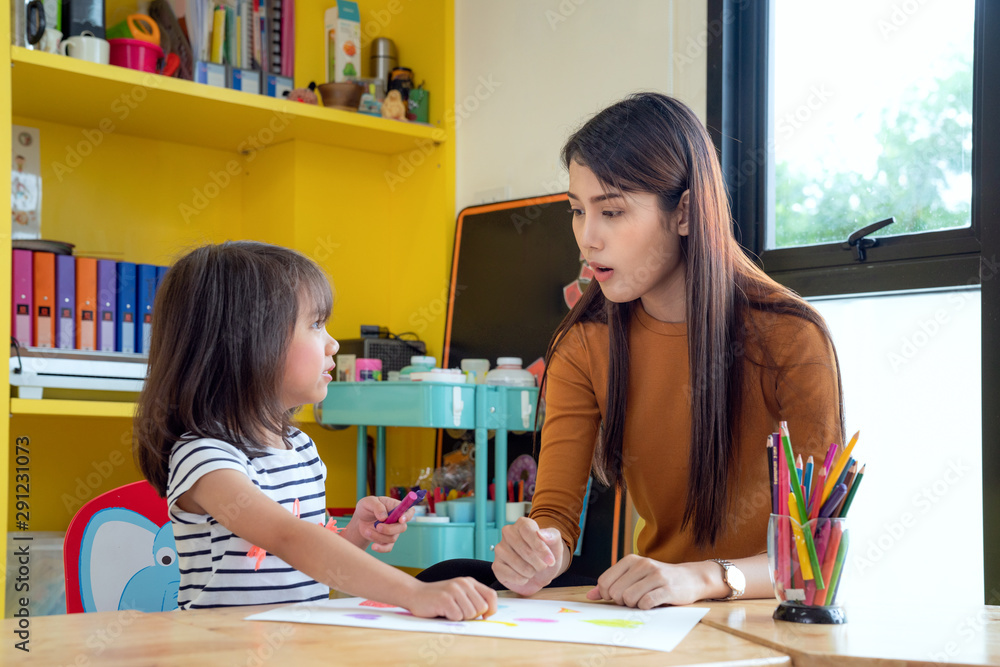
(346, 59)
(247, 80)
(277, 86)
(213, 74)
(45, 590)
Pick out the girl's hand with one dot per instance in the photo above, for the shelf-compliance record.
(362, 531)
(645, 583)
(460, 599)
(528, 559)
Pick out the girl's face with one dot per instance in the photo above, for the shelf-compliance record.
(309, 360)
(632, 246)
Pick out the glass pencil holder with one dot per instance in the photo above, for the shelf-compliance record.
(806, 562)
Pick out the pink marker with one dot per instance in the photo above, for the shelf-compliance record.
(411, 499)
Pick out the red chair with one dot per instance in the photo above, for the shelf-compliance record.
(119, 553)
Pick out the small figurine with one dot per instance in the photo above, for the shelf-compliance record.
(307, 95)
(393, 106)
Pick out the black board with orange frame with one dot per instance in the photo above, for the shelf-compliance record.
(515, 269)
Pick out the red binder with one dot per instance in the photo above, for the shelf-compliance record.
(44, 277)
(86, 303)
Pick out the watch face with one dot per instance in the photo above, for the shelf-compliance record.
(735, 579)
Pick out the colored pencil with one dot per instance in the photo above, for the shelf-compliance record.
(800, 541)
(848, 482)
(772, 476)
(831, 454)
(837, 568)
(801, 506)
(854, 489)
(830, 556)
(832, 478)
(816, 492)
(807, 476)
(784, 536)
(828, 508)
(843, 473)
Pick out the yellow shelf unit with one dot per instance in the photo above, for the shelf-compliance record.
(371, 200)
(110, 99)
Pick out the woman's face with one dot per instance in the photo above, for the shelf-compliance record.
(632, 246)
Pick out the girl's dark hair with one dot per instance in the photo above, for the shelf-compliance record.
(652, 143)
(222, 322)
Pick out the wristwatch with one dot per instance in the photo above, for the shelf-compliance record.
(733, 577)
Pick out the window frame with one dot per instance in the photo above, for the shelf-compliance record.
(738, 110)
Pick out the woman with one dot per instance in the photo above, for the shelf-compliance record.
(670, 372)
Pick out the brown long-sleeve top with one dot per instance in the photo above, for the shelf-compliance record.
(800, 387)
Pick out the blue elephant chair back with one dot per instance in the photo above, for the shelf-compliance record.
(119, 553)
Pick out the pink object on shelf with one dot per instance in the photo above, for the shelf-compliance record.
(367, 369)
(135, 54)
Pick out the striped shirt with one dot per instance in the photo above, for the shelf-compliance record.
(214, 566)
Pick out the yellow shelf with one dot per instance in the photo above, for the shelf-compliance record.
(110, 99)
(69, 408)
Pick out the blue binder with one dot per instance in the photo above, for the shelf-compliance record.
(145, 293)
(125, 325)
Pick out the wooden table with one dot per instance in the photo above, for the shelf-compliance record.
(222, 638)
(882, 636)
(732, 633)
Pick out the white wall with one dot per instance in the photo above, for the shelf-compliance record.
(529, 72)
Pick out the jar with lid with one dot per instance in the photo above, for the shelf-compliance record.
(510, 374)
(418, 364)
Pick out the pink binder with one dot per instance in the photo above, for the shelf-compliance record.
(21, 297)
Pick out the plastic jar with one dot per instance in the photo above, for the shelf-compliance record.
(367, 370)
(476, 370)
(509, 373)
(418, 364)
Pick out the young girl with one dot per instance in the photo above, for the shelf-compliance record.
(670, 372)
(239, 342)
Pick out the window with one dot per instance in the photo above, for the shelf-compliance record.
(894, 133)
(872, 119)
(831, 118)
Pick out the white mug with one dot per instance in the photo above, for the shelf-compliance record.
(87, 47)
(49, 41)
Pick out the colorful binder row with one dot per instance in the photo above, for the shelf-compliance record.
(808, 501)
(82, 303)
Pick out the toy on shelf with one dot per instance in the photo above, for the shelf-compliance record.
(393, 107)
(307, 94)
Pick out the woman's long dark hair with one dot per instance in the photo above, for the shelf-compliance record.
(652, 143)
(222, 322)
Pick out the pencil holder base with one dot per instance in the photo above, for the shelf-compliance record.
(795, 613)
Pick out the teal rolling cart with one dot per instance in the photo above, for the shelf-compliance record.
(429, 405)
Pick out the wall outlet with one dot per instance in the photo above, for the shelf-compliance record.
(501, 193)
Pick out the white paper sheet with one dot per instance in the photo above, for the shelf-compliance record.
(658, 629)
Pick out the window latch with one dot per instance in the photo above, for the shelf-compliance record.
(858, 241)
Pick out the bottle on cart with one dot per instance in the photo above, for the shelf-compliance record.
(510, 374)
(418, 364)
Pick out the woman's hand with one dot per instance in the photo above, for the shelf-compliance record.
(528, 559)
(362, 531)
(460, 599)
(645, 583)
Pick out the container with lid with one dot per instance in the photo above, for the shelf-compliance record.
(475, 370)
(510, 374)
(383, 59)
(418, 364)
